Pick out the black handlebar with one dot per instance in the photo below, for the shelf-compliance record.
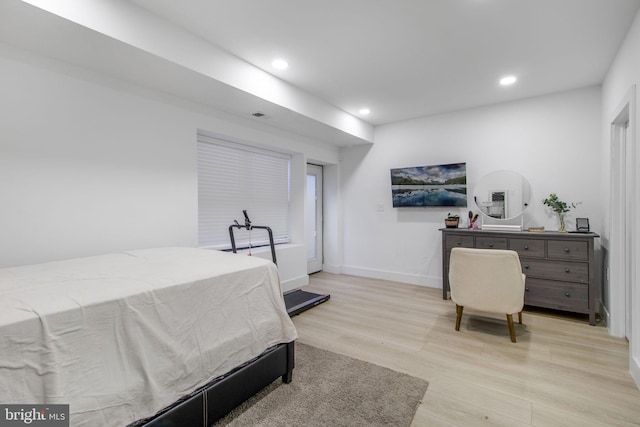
(248, 226)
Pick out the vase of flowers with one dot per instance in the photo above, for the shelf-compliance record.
(560, 208)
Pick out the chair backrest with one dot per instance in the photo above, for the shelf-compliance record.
(487, 279)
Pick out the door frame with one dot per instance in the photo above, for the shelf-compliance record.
(622, 185)
(618, 272)
(315, 236)
(621, 262)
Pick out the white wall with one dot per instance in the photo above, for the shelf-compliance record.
(554, 141)
(621, 78)
(133, 26)
(90, 165)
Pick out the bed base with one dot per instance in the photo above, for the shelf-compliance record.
(213, 401)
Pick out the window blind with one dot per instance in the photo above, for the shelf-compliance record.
(233, 177)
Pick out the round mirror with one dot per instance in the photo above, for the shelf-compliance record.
(502, 194)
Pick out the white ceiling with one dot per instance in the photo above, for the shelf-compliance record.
(410, 58)
(401, 58)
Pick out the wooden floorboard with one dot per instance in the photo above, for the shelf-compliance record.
(561, 372)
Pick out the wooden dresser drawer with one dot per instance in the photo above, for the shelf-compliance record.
(558, 249)
(459, 242)
(527, 247)
(566, 271)
(557, 295)
(483, 242)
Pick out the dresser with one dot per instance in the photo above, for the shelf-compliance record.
(561, 268)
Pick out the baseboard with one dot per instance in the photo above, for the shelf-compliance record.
(332, 268)
(413, 279)
(634, 370)
(604, 315)
(294, 283)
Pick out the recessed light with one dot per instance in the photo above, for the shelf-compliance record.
(364, 111)
(508, 80)
(280, 64)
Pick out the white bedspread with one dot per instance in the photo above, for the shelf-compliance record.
(120, 336)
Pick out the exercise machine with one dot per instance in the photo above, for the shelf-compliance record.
(296, 300)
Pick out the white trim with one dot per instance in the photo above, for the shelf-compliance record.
(332, 268)
(617, 297)
(617, 222)
(604, 314)
(314, 235)
(634, 370)
(634, 336)
(617, 250)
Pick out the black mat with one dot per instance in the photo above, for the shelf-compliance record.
(298, 301)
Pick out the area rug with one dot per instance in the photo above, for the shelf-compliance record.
(330, 389)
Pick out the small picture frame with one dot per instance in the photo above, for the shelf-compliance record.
(582, 225)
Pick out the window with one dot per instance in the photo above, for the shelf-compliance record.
(233, 177)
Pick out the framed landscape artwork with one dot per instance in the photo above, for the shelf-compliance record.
(435, 185)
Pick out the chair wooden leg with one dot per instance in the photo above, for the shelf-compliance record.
(459, 309)
(512, 329)
(520, 317)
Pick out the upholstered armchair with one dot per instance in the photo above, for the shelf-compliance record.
(487, 280)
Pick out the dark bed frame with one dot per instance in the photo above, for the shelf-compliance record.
(209, 403)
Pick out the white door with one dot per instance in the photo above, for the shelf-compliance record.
(313, 218)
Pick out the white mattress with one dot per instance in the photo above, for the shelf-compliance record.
(118, 337)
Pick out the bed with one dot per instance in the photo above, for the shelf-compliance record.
(122, 337)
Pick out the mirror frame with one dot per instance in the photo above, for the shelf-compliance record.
(500, 183)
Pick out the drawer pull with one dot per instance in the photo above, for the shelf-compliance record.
(459, 243)
(566, 270)
(526, 266)
(526, 247)
(566, 250)
(526, 289)
(567, 294)
(490, 245)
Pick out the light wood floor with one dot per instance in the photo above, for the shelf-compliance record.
(561, 372)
